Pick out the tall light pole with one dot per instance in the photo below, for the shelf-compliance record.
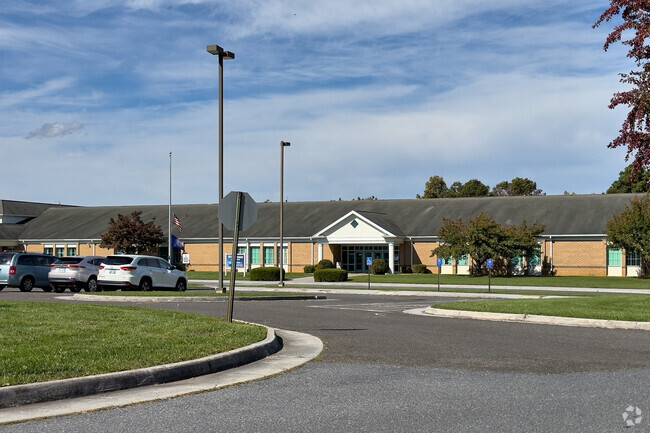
(216, 50)
(283, 144)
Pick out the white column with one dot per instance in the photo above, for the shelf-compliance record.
(391, 257)
(320, 252)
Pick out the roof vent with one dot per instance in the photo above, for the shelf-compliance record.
(354, 224)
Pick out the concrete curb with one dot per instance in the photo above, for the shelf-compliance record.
(172, 299)
(531, 318)
(18, 395)
(297, 349)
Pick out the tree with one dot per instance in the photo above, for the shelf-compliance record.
(635, 131)
(474, 188)
(483, 238)
(629, 181)
(436, 187)
(522, 241)
(518, 186)
(631, 230)
(131, 235)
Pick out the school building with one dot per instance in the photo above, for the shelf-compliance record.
(402, 232)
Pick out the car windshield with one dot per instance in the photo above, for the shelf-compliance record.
(68, 260)
(5, 259)
(117, 260)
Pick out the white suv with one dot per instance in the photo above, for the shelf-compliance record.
(131, 272)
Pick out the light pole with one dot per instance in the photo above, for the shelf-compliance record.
(283, 144)
(216, 50)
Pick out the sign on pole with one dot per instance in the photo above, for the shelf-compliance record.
(369, 265)
(237, 211)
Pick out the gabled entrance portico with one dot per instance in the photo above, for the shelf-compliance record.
(362, 235)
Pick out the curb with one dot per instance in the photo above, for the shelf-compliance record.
(533, 318)
(19, 395)
(170, 299)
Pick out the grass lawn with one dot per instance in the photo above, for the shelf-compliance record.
(594, 282)
(608, 307)
(46, 341)
(193, 293)
(201, 275)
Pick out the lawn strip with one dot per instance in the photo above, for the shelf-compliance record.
(47, 341)
(604, 307)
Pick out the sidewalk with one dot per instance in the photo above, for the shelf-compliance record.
(307, 285)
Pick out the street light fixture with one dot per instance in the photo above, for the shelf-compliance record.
(216, 50)
(283, 144)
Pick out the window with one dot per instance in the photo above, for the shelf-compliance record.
(60, 251)
(72, 251)
(48, 250)
(463, 260)
(614, 257)
(269, 256)
(633, 258)
(534, 261)
(255, 255)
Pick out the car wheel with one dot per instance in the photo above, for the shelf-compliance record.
(91, 285)
(145, 285)
(181, 285)
(2, 287)
(27, 284)
(58, 289)
(47, 289)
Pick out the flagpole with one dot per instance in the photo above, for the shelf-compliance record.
(169, 216)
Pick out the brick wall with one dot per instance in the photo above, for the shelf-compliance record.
(579, 258)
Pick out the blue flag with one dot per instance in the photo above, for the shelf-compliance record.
(177, 244)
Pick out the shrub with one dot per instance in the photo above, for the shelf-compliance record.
(421, 269)
(325, 264)
(266, 274)
(309, 269)
(379, 267)
(330, 275)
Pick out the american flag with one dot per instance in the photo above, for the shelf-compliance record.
(177, 223)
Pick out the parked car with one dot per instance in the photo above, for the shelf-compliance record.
(25, 270)
(75, 272)
(136, 272)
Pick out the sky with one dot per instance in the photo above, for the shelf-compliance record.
(375, 97)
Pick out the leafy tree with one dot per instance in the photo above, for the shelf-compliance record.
(635, 131)
(131, 235)
(483, 238)
(629, 181)
(522, 241)
(454, 189)
(518, 186)
(474, 188)
(631, 230)
(436, 187)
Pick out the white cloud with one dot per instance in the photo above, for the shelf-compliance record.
(50, 130)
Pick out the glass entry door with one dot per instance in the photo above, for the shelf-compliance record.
(354, 257)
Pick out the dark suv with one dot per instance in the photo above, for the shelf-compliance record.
(25, 270)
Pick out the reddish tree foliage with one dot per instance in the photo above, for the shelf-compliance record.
(635, 132)
(131, 235)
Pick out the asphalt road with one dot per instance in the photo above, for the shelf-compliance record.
(383, 370)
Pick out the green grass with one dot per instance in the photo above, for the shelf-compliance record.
(608, 307)
(204, 275)
(46, 341)
(192, 293)
(594, 282)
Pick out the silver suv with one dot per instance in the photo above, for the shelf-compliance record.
(25, 270)
(135, 272)
(75, 272)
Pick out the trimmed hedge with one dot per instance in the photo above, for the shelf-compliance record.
(379, 267)
(266, 274)
(325, 264)
(421, 269)
(330, 275)
(309, 269)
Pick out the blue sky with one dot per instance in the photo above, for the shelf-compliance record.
(375, 97)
